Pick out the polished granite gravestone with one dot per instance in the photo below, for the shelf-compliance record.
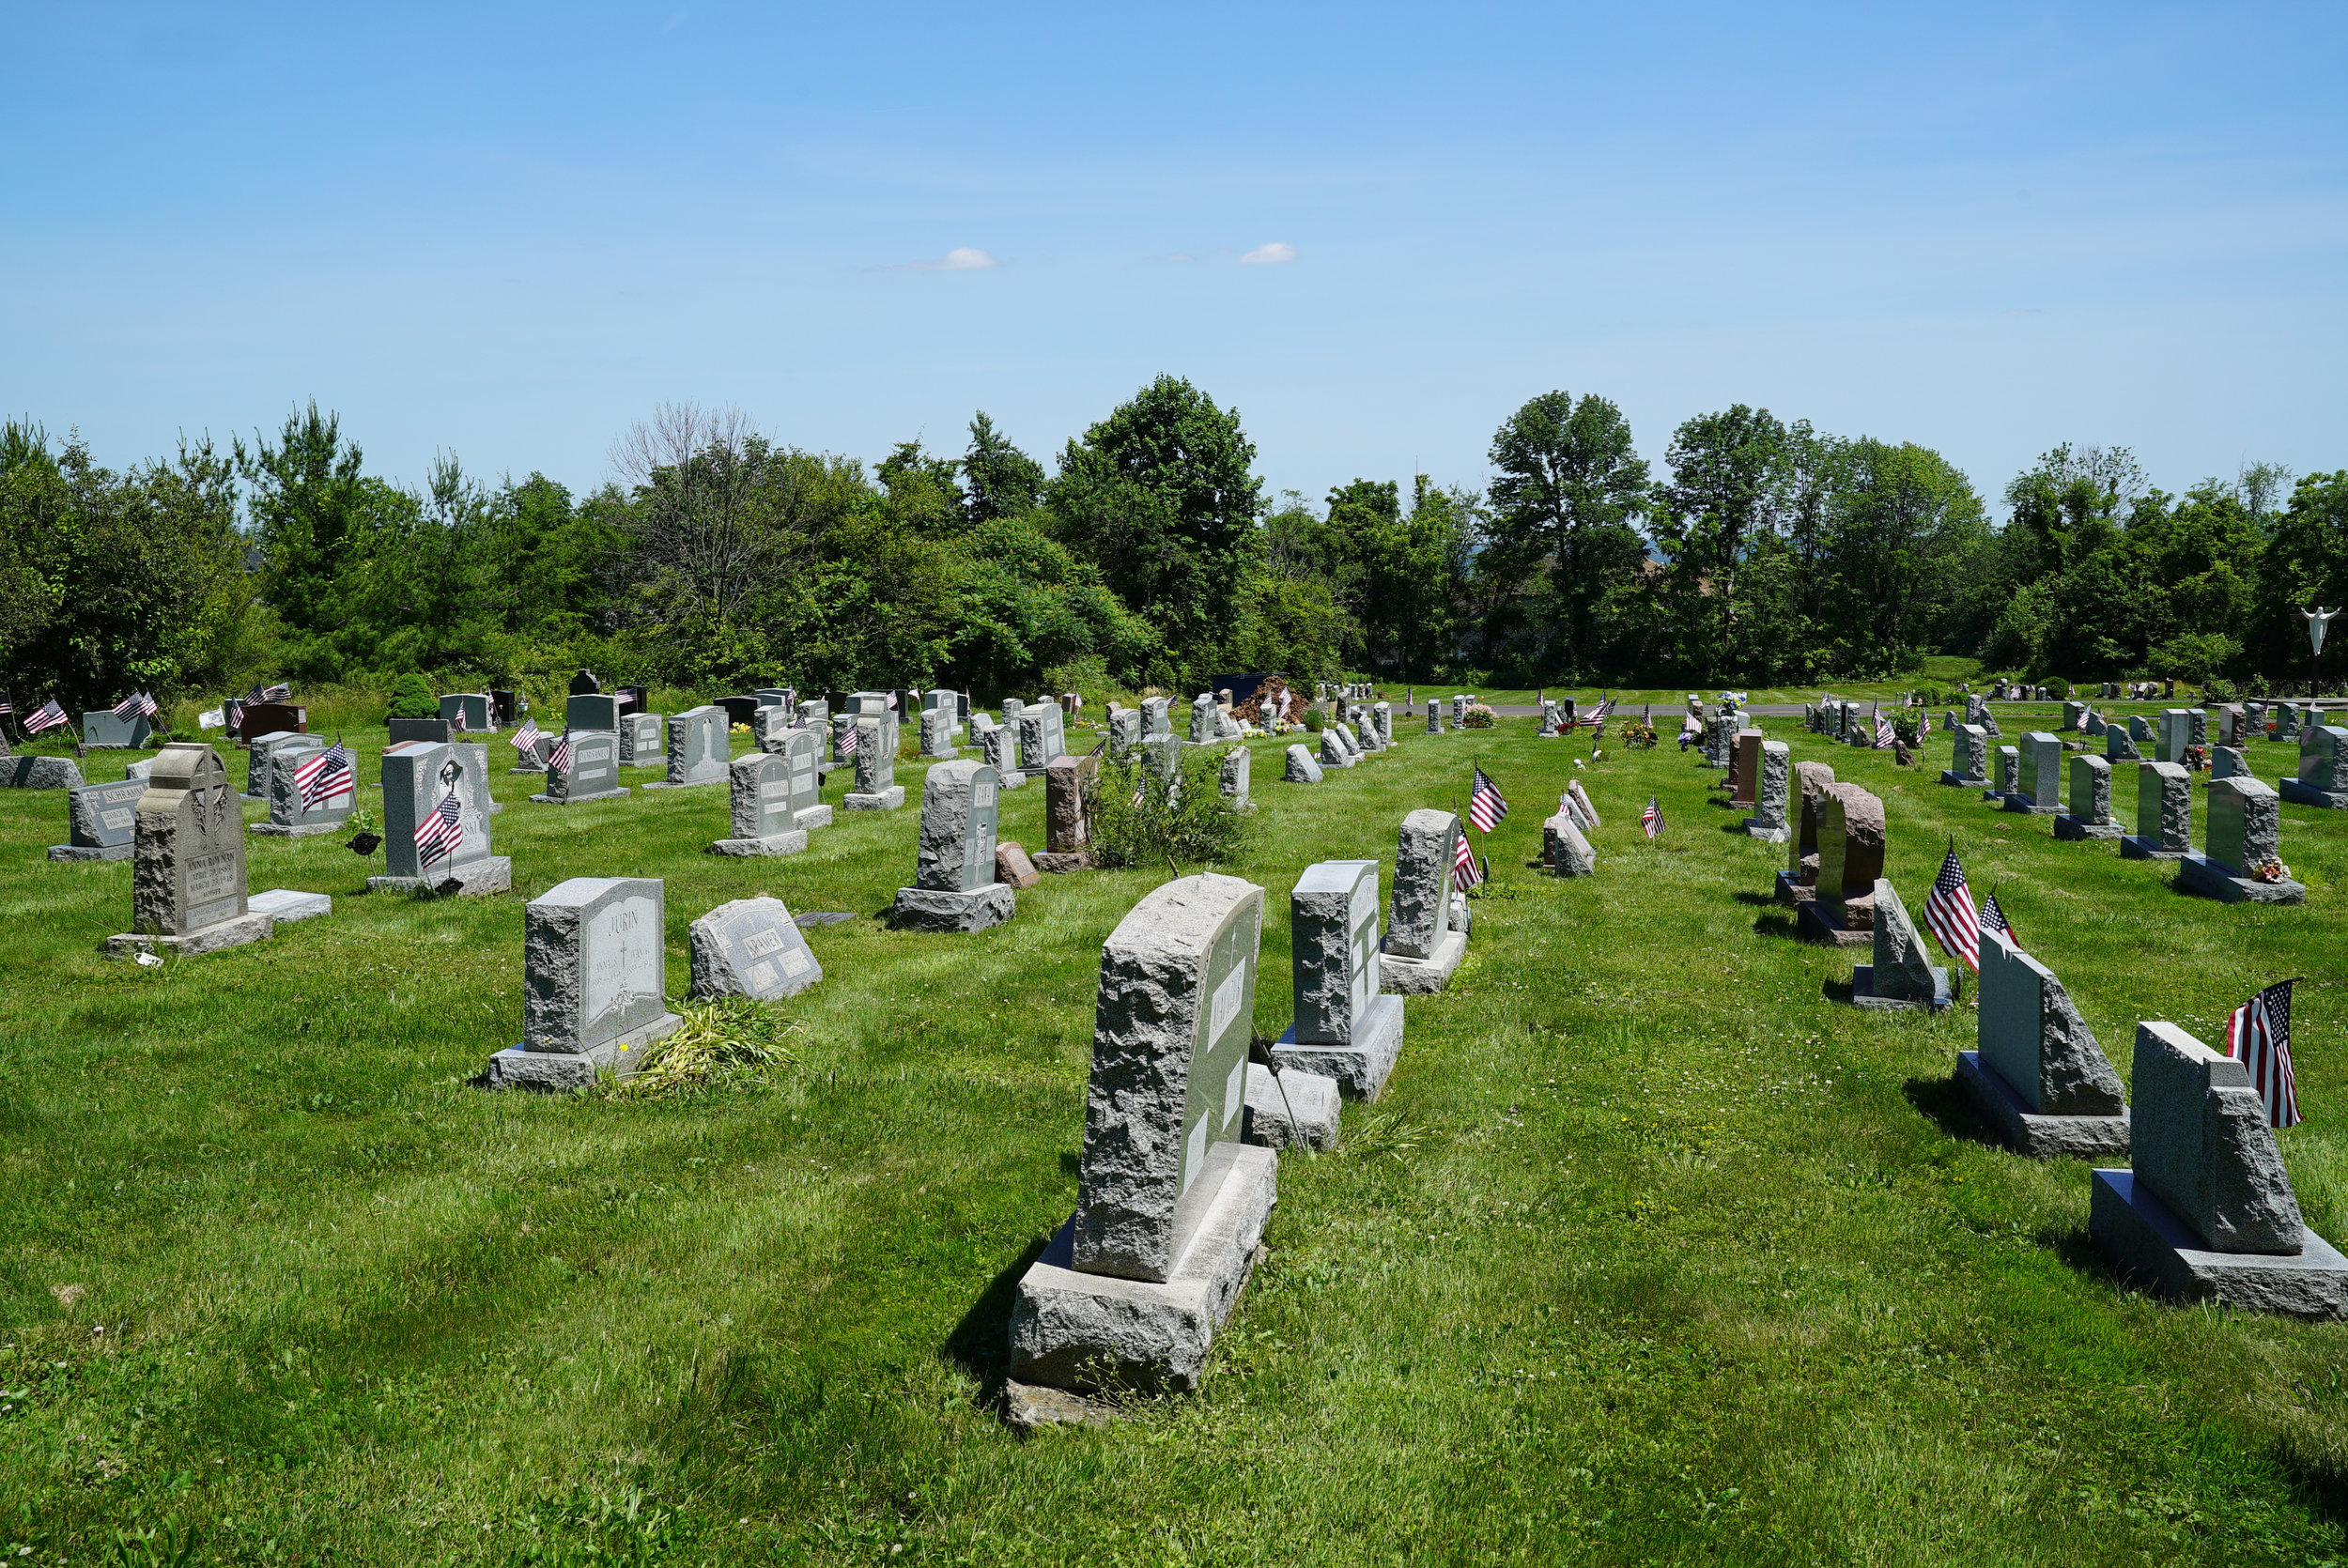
(2176, 735)
(1798, 882)
(187, 866)
(272, 718)
(763, 821)
(1969, 760)
(594, 773)
(751, 948)
(2243, 832)
(1422, 947)
(2322, 776)
(2036, 1075)
(643, 740)
(2040, 794)
(2206, 1210)
(1840, 911)
(1902, 978)
(1771, 763)
(2090, 813)
(699, 751)
(473, 707)
(877, 787)
(417, 775)
(955, 882)
(104, 731)
(594, 711)
(1346, 1029)
(594, 985)
(1170, 1206)
(102, 822)
(2164, 814)
(289, 817)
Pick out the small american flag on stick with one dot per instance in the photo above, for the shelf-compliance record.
(1486, 803)
(1652, 818)
(441, 830)
(526, 737)
(2258, 1035)
(1949, 911)
(1465, 872)
(137, 705)
(559, 759)
(1993, 920)
(848, 741)
(326, 777)
(49, 717)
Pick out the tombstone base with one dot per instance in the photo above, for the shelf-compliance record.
(520, 1067)
(527, 768)
(1293, 1109)
(1819, 923)
(774, 843)
(91, 852)
(1361, 1066)
(1013, 780)
(1407, 977)
(931, 909)
(2073, 829)
(2133, 848)
(1769, 832)
(2141, 1238)
(1030, 1405)
(889, 799)
(949, 754)
(2200, 875)
(1062, 861)
(2024, 1130)
(1994, 797)
(1950, 776)
(2025, 805)
(2308, 795)
(1863, 994)
(245, 927)
(284, 906)
(657, 783)
(490, 874)
(295, 830)
(813, 817)
(1087, 1331)
(580, 800)
(1792, 892)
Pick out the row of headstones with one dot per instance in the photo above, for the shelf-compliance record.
(1342, 746)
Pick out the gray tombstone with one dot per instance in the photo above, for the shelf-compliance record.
(1236, 765)
(700, 749)
(1773, 766)
(103, 730)
(1901, 978)
(2090, 816)
(1565, 850)
(2322, 776)
(802, 757)
(289, 816)
(417, 777)
(1345, 1028)
(1300, 768)
(1434, 717)
(877, 787)
(999, 748)
(2164, 814)
(1154, 718)
(594, 984)
(937, 733)
(2227, 762)
(641, 742)
(2036, 1075)
(102, 822)
(2176, 735)
(1170, 1206)
(751, 948)
(1381, 716)
(1969, 760)
(2206, 1210)
(762, 819)
(1125, 728)
(2243, 833)
(2119, 746)
(2201, 727)
(596, 710)
(1795, 882)
(955, 887)
(256, 758)
(768, 725)
(2041, 793)
(1333, 750)
(186, 864)
(2007, 777)
(593, 772)
(1423, 950)
(1042, 736)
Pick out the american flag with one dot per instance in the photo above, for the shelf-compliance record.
(1486, 803)
(49, 716)
(138, 704)
(440, 832)
(278, 692)
(559, 759)
(324, 776)
(7, 704)
(1883, 730)
(255, 695)
(1652, 818)
(233, 711)
(1950, 914)
(848, 741)
(1993, 920)
(457, 720)
(2258, 1035)
(1465, 872)
(527, 737)
(1924, 725)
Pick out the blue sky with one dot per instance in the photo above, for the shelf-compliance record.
(508, 232)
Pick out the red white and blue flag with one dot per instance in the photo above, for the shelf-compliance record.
(848, 741)
(441, 830)
(1993, 920)
(1465, 872)
(527, 737)
(559, 759)
(1486, 803)
(49, 716)
(1950, 914)
(1884, 737)
(2258, 1035)
(137, 705)
(1652, 818)
(325, 778)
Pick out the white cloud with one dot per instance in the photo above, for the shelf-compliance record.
(962, 258)
(1275, 251)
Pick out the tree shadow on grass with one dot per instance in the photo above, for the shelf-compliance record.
(981, 1343)
(2320, 1478)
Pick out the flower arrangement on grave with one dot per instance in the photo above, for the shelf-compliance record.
(2196, 759)
(1479, 718)
(1638, 736)
(2272, 870)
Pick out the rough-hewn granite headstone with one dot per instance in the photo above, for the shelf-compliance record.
(937, 733)
(751, 948)
(956, 888)
(762, 820)
(698, 750)
(1345, 1029)
(1850, 859)
(2164, 814)
(2090, 813)
(288, 817)
(1237, 762)
(1968, 758)
(1810, 781)
(102, 822)
(1068, 784)
(187, 866)
(2322, 776)
(2036, 1075)
(1902, 975)
(2041, 793)
(1771, 767)
(595, 986)
(643, 741)
(594, 770)
(1422, 883)
(1154, 717)
(877, 787)
(256, 758)
(1300, 768)
(2202, 1145)
(1042, 736)
(41, 773)
(1567, 853)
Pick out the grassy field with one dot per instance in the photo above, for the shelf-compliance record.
(1655, 1251)
(1937, 670)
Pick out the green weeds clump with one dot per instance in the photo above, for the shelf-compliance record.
(1142, 819)
(727, 1044)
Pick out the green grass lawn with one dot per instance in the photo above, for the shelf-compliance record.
(1653, 1253)
(1937, 670)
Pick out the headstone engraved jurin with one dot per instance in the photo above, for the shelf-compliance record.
(699, 751)
(1423, 948)
(102, 822)
(1346, 1029)
(877, 787)
(954, 880)
(2206, 1210)
(2090, 816)
(764, 823)
(417, 777)
(594, 769)
(2243, 832)
(751, 948)
(1170, 1206)
(1840, 910)
(2037, 1076)
(594, 984)
(1771, 762)
(2164, 814)
(187, 867)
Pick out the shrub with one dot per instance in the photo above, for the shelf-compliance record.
(412, 698)
(2059, 689)
(1479, 718)
(1312, 720)
(1142, 820)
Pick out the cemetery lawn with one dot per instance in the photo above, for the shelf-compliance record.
(1653, 1252)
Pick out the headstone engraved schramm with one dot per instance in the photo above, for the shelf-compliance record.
(102, 822)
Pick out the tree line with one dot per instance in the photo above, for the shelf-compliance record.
(1147, 554)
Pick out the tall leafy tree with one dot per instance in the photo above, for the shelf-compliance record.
(1568, 489)
(1727, 497)
(1000, 479)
